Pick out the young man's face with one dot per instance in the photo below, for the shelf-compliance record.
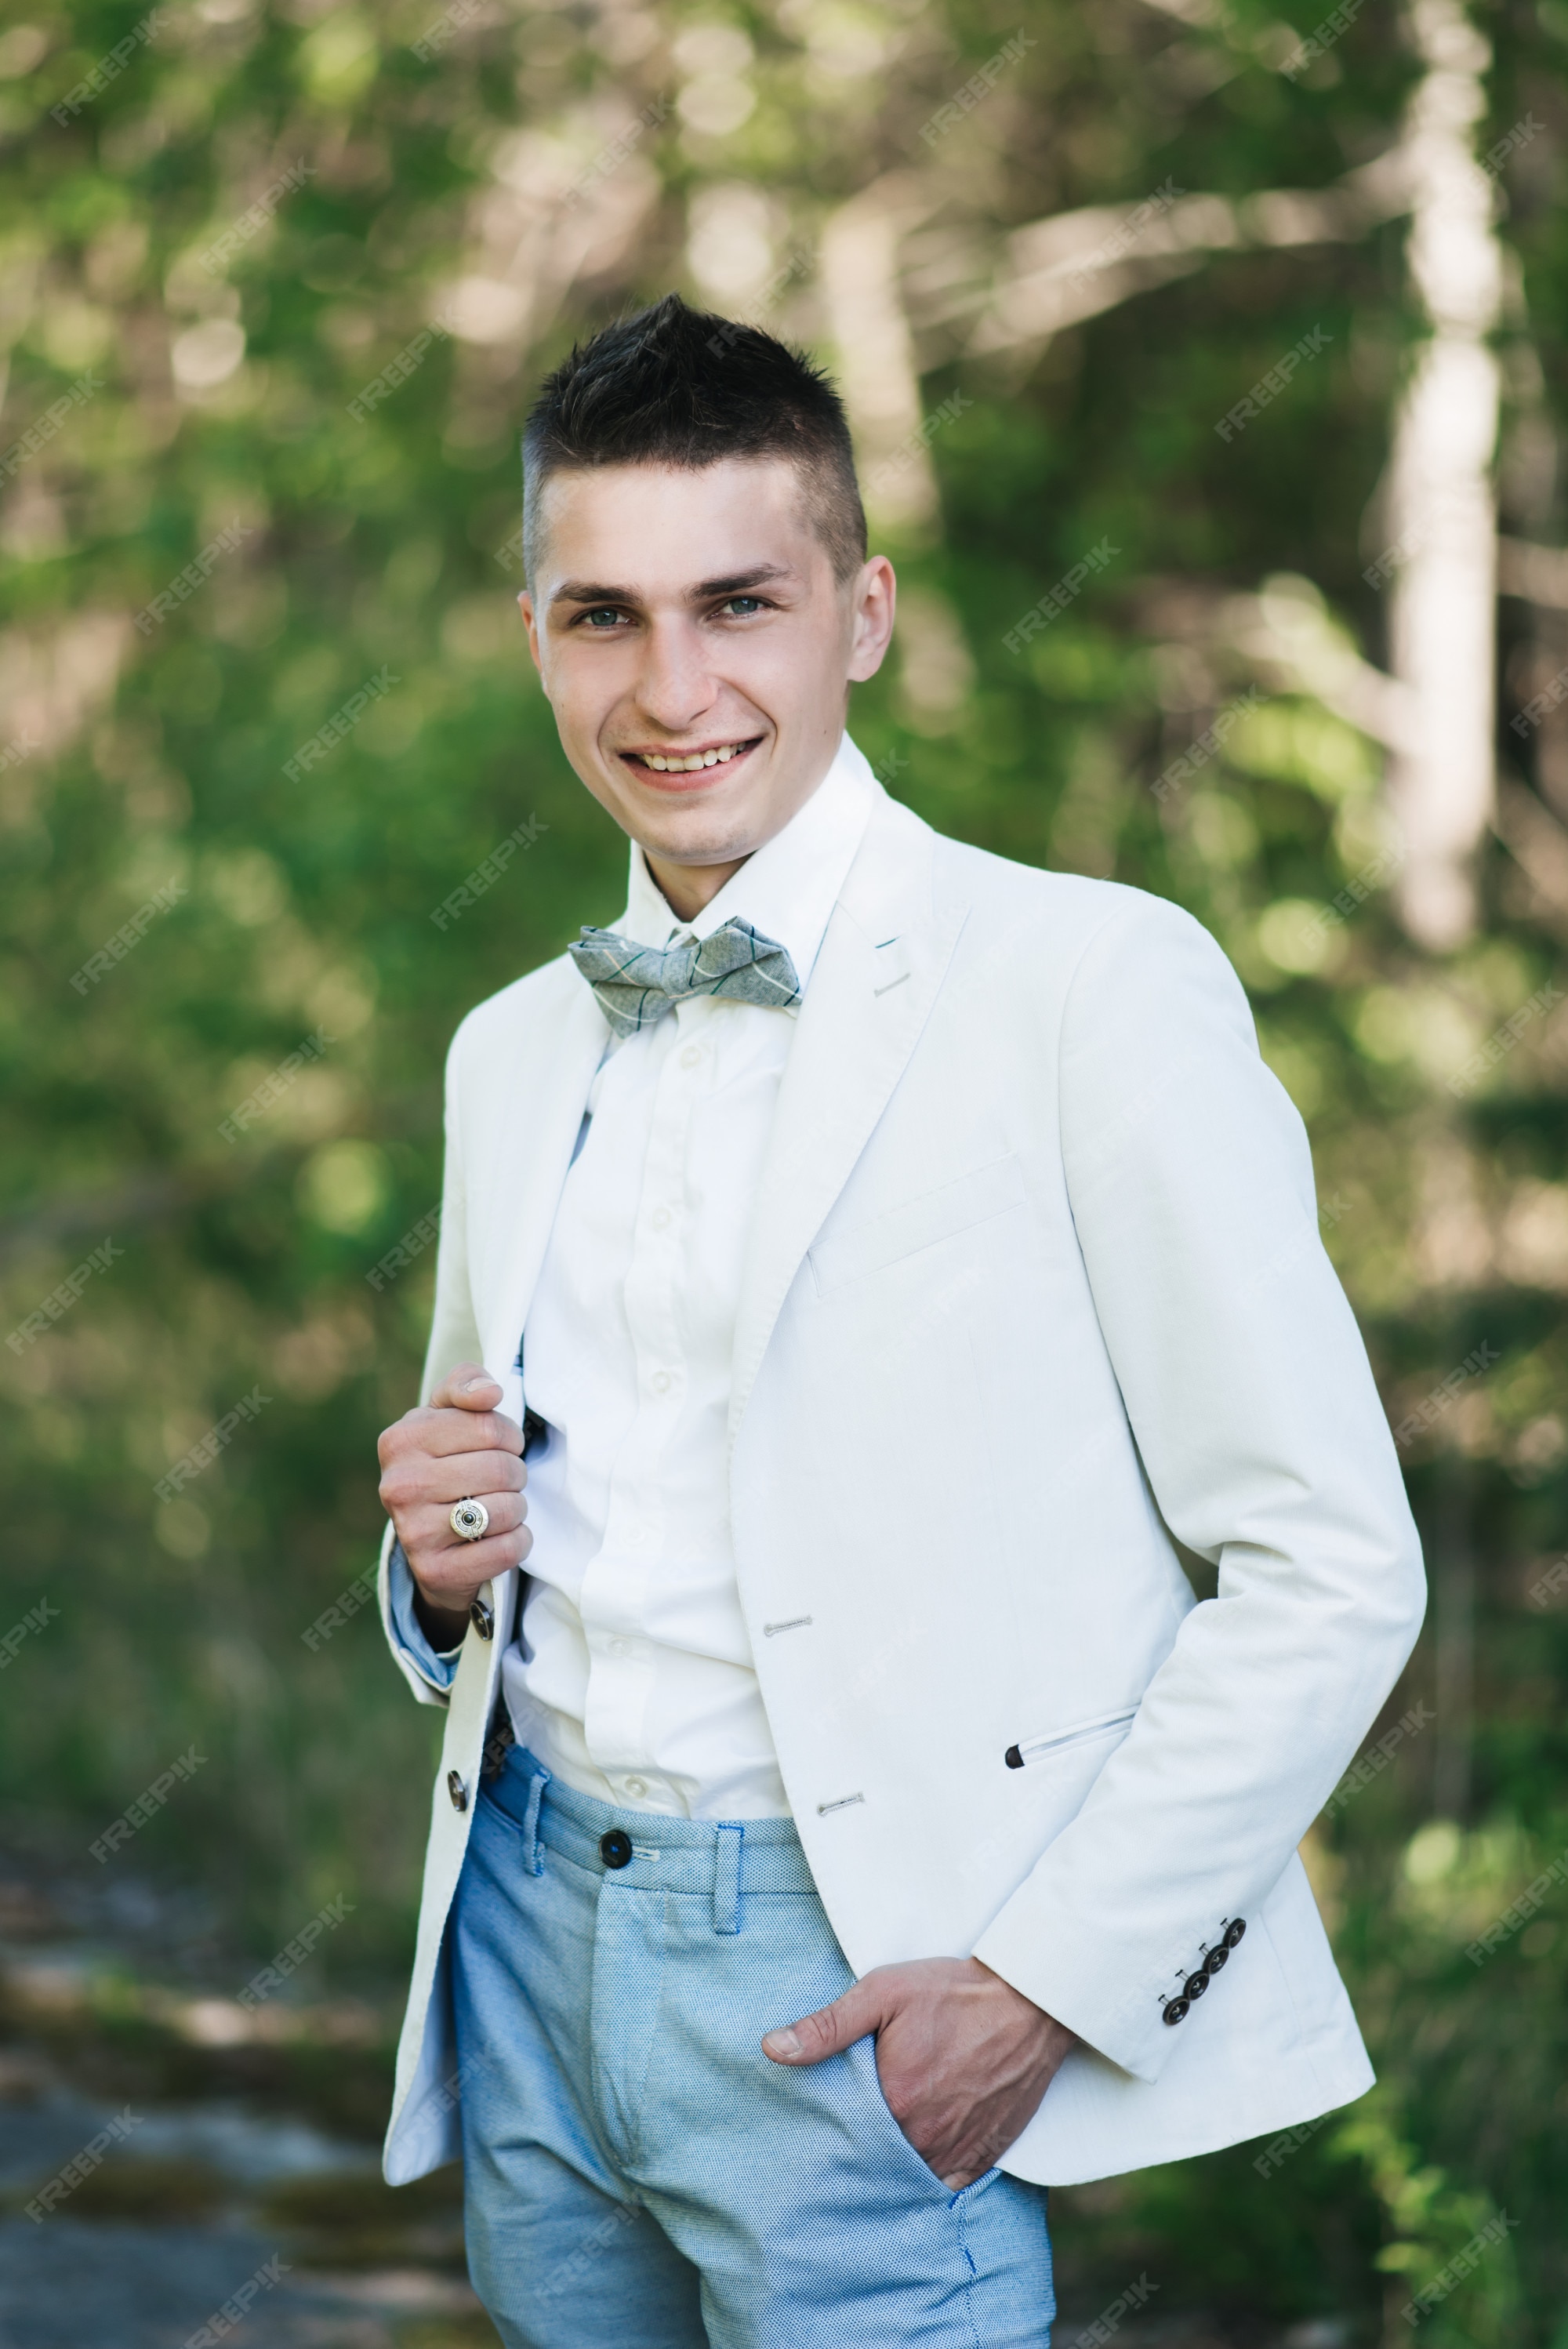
(679, 615)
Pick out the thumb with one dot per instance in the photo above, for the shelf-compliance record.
(831, 2029)
(468, 1387)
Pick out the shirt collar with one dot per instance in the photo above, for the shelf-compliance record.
(788, 888)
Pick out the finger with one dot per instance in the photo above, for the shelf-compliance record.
(468, 1387)
(417, 1482)
(434, 1434)
(458, 1476)
(454, 1475)
(861, 2008)
(429, 1521)
(970, 2162)
(450, 1574)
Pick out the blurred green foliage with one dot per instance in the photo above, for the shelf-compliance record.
(523, 180)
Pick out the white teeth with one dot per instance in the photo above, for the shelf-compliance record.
(689, 766)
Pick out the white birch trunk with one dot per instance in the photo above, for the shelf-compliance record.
(1441, 505)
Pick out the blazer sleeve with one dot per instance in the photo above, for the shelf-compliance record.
(1253, 1405)
(454, 1338)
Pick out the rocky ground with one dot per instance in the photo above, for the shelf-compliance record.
(215, 2170)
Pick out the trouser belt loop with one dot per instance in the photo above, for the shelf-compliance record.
(727, 1843)
(533, 1848)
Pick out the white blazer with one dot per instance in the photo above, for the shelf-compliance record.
(1036, 1275)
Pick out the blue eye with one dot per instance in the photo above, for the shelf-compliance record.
(606, 612)
(734, 603)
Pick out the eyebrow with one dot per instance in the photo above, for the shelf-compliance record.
(739, 583)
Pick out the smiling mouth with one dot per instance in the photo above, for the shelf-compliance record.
(689, 762)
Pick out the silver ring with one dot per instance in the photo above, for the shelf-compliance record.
(470, 1520)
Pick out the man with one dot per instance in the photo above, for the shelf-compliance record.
(886, 1249)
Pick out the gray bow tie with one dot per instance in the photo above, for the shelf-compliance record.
(636, 985)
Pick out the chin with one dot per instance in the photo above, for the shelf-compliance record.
(694, 829)
(682, 844)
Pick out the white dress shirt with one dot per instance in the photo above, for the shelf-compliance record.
(634, 1678)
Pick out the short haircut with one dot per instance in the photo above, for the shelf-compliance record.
(674, 386)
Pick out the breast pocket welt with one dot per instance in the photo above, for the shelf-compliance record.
(940, 1213)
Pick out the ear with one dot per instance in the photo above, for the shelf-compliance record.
(873, 598)
(531, 622)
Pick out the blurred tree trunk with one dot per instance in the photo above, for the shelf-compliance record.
(1441, 512)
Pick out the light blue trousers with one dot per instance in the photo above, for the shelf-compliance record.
(638, 2175)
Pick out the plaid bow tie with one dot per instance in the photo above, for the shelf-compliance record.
(636, 985)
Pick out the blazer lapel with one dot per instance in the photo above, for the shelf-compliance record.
(546, 1092)
(881, 962)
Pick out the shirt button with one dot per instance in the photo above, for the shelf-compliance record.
(660, 1383)
(619, 1647)
(636, 1788)
(659, 1218)
(691, 1056)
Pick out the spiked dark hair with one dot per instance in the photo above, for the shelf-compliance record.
(674, 386)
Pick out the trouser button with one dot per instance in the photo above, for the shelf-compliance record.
(615, 1848)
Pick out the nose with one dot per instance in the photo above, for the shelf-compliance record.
(676, 687)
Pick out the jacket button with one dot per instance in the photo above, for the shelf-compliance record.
(1194, 1986)
(615, 1848)
(1216, 1958)
(1233, 1931)
(1175, 2008)
(482, 1617)
(458, 1790)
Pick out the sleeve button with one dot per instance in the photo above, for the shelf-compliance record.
(1194, 1986)
(1175, 2010)
(1233, 1931)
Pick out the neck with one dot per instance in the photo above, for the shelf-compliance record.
(687, 888)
